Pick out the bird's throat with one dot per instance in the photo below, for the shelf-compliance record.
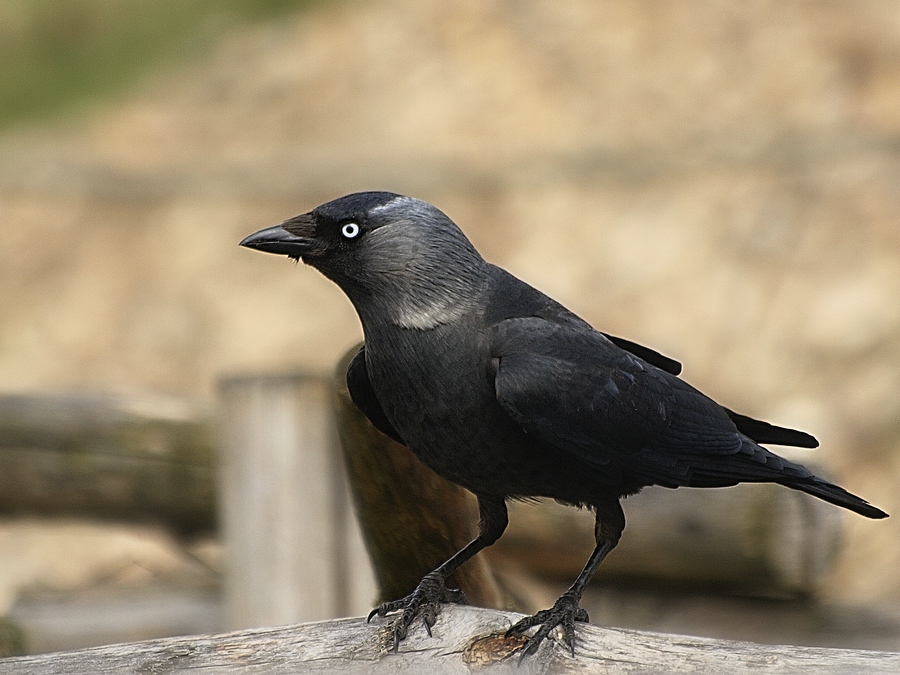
(426, 316)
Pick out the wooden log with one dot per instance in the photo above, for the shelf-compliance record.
(293, 551)
(412, 520)
(104, 456)
(465, 639)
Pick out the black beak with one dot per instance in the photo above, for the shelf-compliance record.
(294, 238)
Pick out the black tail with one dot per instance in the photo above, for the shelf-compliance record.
(822, 489)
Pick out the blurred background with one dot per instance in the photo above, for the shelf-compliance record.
(716, 180)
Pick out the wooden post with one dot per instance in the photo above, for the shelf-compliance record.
(293, 551)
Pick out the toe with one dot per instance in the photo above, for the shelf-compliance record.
(531, 646)
(429, 617)
(568, 636)
(386, 608)
(524, 624)
(425, 601)
(400, 629)
(563, 614)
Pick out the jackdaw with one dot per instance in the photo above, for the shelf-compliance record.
(504, 391)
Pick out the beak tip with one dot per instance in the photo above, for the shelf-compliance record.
(277, 240)
(247, 242)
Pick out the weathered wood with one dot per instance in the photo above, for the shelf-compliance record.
(124, 457)
(286, 523)
(465, 639)
(412, 520)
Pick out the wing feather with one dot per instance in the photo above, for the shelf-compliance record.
(578, 391)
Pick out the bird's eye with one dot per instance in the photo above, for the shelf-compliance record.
(350, 230)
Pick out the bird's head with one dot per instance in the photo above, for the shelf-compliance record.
(396, 258)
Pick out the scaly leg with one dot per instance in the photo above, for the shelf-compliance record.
(610, 521)
(432, 591)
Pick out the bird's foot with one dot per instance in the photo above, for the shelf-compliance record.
(564, 613)
(426, 601)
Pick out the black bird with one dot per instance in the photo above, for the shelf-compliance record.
(504, 391)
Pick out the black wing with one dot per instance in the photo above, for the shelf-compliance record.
(763, 432)
(759, 431)
(363, 396)
(651, 356)
(579, 392)
(513, 298)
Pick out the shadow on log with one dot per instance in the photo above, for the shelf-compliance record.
(466, 639)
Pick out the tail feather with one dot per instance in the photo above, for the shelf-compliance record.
(834, 494)
(755, 464)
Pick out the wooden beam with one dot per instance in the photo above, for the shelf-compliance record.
(464, 639)
(141, 458)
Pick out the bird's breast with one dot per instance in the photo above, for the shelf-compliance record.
(436, 388)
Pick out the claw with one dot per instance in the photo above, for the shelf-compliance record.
(564, 613)
(386, 608)
(569, 637)
(528, 650)
(429, 617)
(425, 601)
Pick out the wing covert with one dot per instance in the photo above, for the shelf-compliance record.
(577, 391)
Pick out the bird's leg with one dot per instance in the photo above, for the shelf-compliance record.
(610, 521)
(431, 592)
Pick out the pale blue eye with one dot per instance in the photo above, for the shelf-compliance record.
(350, 230)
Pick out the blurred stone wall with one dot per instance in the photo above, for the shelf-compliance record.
(718, 180)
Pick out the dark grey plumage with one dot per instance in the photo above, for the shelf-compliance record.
(504, 391)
